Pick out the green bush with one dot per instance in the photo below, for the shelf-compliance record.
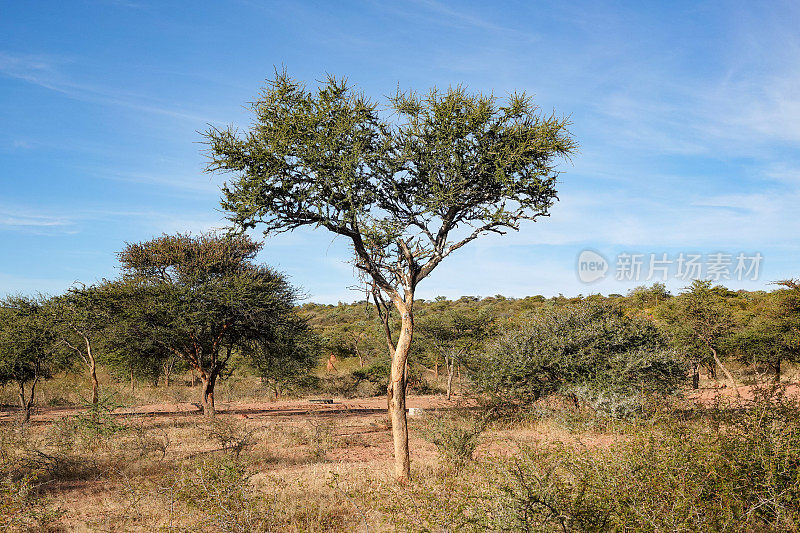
(377, 372)
(592, 353)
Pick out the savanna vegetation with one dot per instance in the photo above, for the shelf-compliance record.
(198, 391)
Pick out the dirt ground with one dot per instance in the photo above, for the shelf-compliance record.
(248, 410)
(298, 441)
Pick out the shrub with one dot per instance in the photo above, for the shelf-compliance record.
(219, 488)
(91, 429)
(455, 435)
(230, 435)
(377, 372)
(320, 439)
(675, 477)
(591, 353)
(22, 510)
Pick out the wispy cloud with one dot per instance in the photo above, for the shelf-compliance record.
(32, 222)
(158, 180)
(462, 18)
(48, 71)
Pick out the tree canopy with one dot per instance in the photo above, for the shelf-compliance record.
(202, 299)
(29, 347)
(449, 167)
(398, 190)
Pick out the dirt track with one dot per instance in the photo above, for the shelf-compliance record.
(340, 406)
(281, 408)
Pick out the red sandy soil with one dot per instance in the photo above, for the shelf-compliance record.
(279, 408)
(344, 407)
(723, 392)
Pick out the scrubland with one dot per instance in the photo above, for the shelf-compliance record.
(147, 460)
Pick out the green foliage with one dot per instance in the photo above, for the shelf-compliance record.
(285, 353)
(325, 157)
(456, 435)
(451, 333)
(670, 477)
(90, 429)
(698, 319)
(645, 298)
(83, 313)
(589, 351)
(203, 299)
(29, 348)
(376, 372)
(768, 331)
(220, 489)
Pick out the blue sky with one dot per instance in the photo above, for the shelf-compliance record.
(687, 114)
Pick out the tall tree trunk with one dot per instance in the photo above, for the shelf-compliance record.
(207, 399)
(27, 403)
(26, 406)
(397, 397)
(92, 372)
(95, 384)
(450, 372)
(725, 370)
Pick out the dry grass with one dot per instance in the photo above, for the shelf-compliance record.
(125, 475)
(290, 469)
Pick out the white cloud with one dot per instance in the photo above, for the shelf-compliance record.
(47, 71)
(29, 221)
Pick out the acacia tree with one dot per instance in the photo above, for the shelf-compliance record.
(130, 351)
(83, 313)
(406, 194)
(699, 320)
(452, 335)
(771, 332)
(28, 347)
(202, 299)
(284, 353)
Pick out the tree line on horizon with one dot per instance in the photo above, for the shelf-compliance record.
(180, 305)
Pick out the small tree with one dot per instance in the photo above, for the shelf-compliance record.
(132, 354)
(699, 319)
(28, 347)
(83, 313)
(284, 353)
(643, 297)
(452, 334)
(452, 166)
(770, 333)
(202, 299)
